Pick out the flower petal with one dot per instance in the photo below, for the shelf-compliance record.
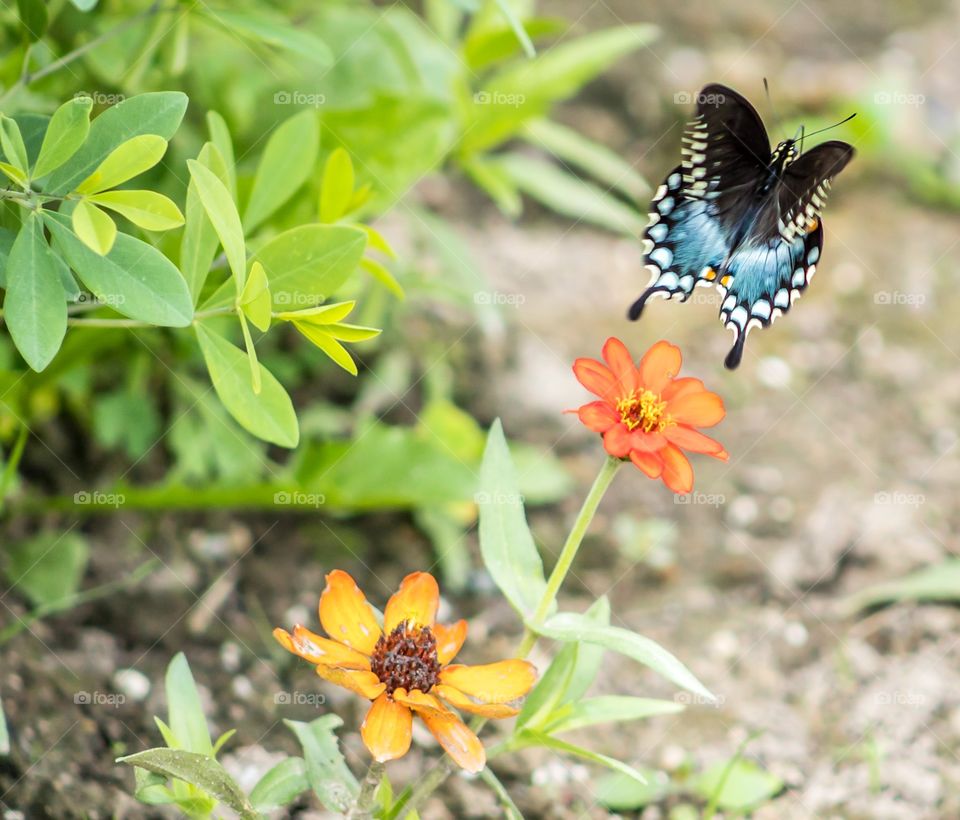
(416, 601)
(621, 364)
(457, 699)
(689, 439)
(317, 649)
(387, 729)
(457, 740)
(677, 472)
(365, 684)
(649, 463)
(449, 640)
(345, 614)
(680, 387)
(598, 416)
(702, 409)
(595, 377)
(616, 441)
(647, 442)
(659, 365)
(499, 682)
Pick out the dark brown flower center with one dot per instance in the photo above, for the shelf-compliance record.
(407, 659)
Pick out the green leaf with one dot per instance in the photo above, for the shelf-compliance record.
(623, 793)
(66, 132)
(223, 215)
(383, 276)
(492, 178)
(275, 31)
(156, 113)
(94, 228)
(255, 381)
(134, 279)
(319, 315)
(15, 174)
(327, 771)
(48, 567)
(255, 298)
(742, 783)
(569, 626)
(147, 209)
(199, 244)
(608, 709)
(569, 195)
(34, 307)
(12, 142)
(220, 137)
(269, 415)
(33, 18)
(281, 785)
(509, 552)
(493, 45)
(526, 738)
(199, 770)
(184, 711)
(337, 186)
(378, 241)
(288, 161)
(305, 265)
(352, 333)
(596, 159)
(517, 27)
(940, 582)
(126, 161)
(325, 341)
(4, 733)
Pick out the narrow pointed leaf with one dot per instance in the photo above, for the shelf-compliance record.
(95, 228)
(126, 161)
(337, 186)
(223, 215)
(66, 132)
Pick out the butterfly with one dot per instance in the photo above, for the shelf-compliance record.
(736, 215)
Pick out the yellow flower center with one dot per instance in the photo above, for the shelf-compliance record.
(407, 658)
(644, 410)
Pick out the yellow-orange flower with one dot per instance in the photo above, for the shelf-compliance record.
(404, 668)
(647, 414)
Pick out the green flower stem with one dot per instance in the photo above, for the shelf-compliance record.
(363, 808)
(569, 552)
(429, 782)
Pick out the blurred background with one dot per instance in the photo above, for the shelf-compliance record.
(810, 582)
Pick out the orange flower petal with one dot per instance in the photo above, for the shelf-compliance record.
(387, 729)
(416, 601)
(317, 649)
(680, 387)
(598, 416)
(457, 740)
(621, 364)
(595, 377)
(345, 614)
(649, 463)
(689, 439)
(499, 682)
(659, 365)
(365, 684)
(458, 700)
(702, 409)
(647, 442)
(677, 472)
(616, 441)
(449, 640)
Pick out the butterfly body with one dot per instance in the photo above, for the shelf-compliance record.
(739, 216)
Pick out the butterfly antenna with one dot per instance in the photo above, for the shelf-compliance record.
(773, 111)
(835, 125)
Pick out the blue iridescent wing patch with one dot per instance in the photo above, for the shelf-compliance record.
(738, 216)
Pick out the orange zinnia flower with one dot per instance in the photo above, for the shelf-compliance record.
(648, 415)
(405, 667)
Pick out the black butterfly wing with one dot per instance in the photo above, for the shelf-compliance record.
(775, 263)
(697, 211)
